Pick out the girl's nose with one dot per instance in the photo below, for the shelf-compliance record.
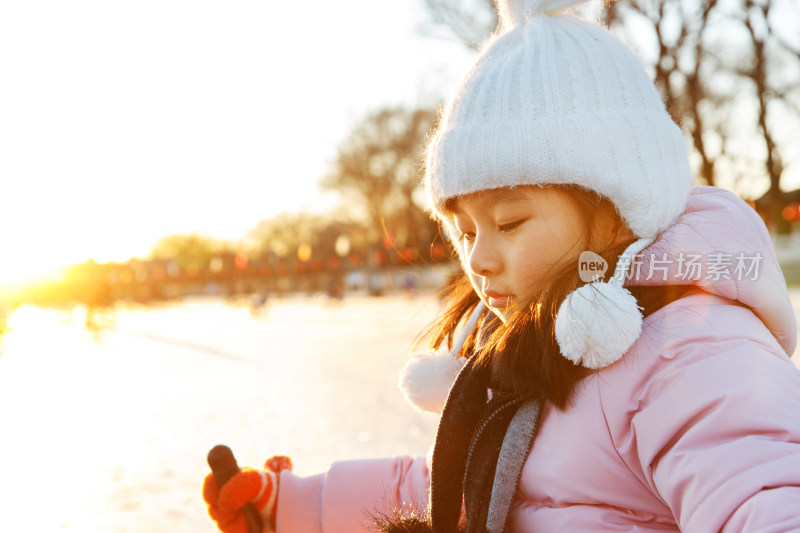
(483, 258)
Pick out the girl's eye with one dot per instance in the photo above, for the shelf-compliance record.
(511, 226)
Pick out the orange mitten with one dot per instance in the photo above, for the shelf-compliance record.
(259, 487)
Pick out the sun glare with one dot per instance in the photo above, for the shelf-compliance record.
(37, 255)
(16, 275)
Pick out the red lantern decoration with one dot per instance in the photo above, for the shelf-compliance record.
(240, 261)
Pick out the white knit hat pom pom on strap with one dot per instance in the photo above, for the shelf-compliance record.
(515, 13)
(597, 323)
(426, 377)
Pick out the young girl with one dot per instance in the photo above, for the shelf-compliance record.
(619, 347)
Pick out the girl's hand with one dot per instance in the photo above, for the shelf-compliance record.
(260, 487)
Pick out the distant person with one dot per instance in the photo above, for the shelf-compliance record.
(409, 285)
(623, 341)
(335, 288)
(258, 301)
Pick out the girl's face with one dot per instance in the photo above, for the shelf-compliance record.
(514, 240)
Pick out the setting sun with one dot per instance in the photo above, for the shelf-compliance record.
(39, 250)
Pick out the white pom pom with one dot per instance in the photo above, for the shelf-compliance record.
(597, 324)
(427, 377)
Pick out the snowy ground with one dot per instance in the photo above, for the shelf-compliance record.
(109, 434)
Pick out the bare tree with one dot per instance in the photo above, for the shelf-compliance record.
(377, 171)
(772, 69)
(681, 62)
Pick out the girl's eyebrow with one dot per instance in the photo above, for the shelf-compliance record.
(488, 200)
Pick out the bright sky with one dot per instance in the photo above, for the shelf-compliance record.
(122, 122)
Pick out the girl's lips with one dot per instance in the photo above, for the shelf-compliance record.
(499, 301)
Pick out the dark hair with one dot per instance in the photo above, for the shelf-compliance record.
(524, 348)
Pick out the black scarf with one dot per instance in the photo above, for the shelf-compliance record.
(465, 454)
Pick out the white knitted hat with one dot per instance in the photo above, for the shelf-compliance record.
(554, 99)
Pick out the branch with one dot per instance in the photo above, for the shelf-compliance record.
(783, 43)
(471, 22)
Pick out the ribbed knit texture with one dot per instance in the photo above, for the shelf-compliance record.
(300, 503)
(559, 100)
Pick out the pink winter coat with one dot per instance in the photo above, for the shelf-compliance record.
(695, 429)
